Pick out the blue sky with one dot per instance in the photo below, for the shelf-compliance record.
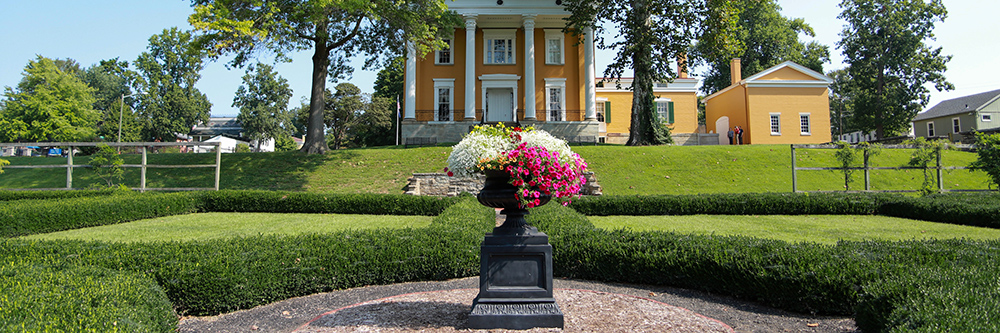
(93, 30)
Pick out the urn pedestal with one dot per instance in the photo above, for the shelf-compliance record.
(515, 272)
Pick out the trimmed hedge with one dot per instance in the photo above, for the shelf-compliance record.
(298, 202)
(26, 217)
(36, 195)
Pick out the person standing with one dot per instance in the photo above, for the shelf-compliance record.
(730, 135)
(739, 135)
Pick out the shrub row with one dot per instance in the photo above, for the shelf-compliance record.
(298, 202)
(28, 195)
(26, 217)
(966, 209)
(922, 286)
(39, 298)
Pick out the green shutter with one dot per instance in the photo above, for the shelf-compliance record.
(670, 106)
(607, 112)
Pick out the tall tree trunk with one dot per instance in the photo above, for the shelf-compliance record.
(645, 127)
(315, 136)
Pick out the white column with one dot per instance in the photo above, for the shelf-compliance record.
(411, 82)
(589, 86)
(470, 67)
(529, 66)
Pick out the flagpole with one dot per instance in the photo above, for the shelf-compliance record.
(397, 120)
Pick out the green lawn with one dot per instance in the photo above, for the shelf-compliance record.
(226, 225)
(825, 229)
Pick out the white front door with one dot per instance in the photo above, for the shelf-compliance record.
(500, 105)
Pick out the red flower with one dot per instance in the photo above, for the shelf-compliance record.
(451, 174)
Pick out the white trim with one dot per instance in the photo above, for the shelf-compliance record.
(930, 129)
(553, 83)
(500, 34)
(450, 85)
(555, 34)
(770, 122)
(986, 117)
(451, 55)
(956, 125)
(499, 81)
(786, 84)
(803, 69)
(656, 104)
(808, 123)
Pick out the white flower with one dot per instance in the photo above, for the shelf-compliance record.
(479, 145)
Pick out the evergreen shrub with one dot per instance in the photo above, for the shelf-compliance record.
(26, 217)
(299, 202)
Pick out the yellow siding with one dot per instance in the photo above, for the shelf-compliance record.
(789, 102)
(788, 73)
(621, 112)
(732, 104)
(685, 111)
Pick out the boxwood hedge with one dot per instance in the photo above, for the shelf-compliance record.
(947, 285)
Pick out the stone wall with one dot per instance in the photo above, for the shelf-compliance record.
(439, 184)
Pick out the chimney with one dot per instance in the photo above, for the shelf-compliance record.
(735, 73)
(681, 66)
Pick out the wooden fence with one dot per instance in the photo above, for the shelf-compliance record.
(866, 167)
(142, 166)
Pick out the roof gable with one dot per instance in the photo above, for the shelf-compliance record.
(789, 71)
(959, 105)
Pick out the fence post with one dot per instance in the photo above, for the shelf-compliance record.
(867, 176)
(939, 172)
(142, 174)
(794, 174)
(218, 163)
(69, 169)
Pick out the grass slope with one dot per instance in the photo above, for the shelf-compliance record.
(620, 170)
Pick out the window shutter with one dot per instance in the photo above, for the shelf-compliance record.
(670, 106)
(607, 112)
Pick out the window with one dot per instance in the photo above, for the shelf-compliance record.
(444, 99)
(930, 129)
(987, 117)
(444, 56)
(804, 124)
(956, 125)
(554, 41)
(775, 124)
(602, 111)
(499, 46)
(665, 110)
(555, 98)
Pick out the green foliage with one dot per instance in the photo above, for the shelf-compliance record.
(847, 155)
(113, 81)
(377, 120)
(2, 163)
(841, 112)
(65, 298)
(34, 195)
(334, 30)
(107, 164)
(242, 148)
(284, 143)
(988, 151)
(648, 33)
(263, 103)
(48, 105)
(924, 153)
(389, 80)
(888, 61)
(342, 110)
(168, 74)
(26, 217)
(764, 38)
(297, 202)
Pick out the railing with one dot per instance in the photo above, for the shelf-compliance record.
(541, 115)
(866, 167)
(143, 166)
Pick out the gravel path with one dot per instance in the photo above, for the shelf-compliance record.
(296, 313)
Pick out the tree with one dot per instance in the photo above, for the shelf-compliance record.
(342, 110)
(378, 119)
(389, 80)
(333, 30)
(263, 103)
(169, 70)
(888, 61)
(112, 80)
(651, 34)
(48, 105)
(841, 119)
(107, 165)
(763, 39)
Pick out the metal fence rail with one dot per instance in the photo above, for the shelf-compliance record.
(143, 166)
(867, 167)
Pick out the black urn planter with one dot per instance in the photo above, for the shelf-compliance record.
(515, 267)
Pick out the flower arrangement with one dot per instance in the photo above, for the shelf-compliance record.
(538, 163)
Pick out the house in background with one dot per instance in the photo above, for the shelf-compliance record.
(784, 104)
(228, 131)
(676, 103)
(957, 118)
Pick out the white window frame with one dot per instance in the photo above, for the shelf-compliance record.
(555, 83)
(601, 114)
(956, 125)
(930, 129)
(986, 117)
(510, 35)
(665, 117)
(775, 123)
(555, 34)
(444, 84)
(451, 54)
(805, 128)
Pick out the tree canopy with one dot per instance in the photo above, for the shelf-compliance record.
(343, 108)
(168, 74)
(762, 38)
(263, 103)
(651, 34)
(112, 81)
(333, 30)
(48, 105)
(889, 62)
